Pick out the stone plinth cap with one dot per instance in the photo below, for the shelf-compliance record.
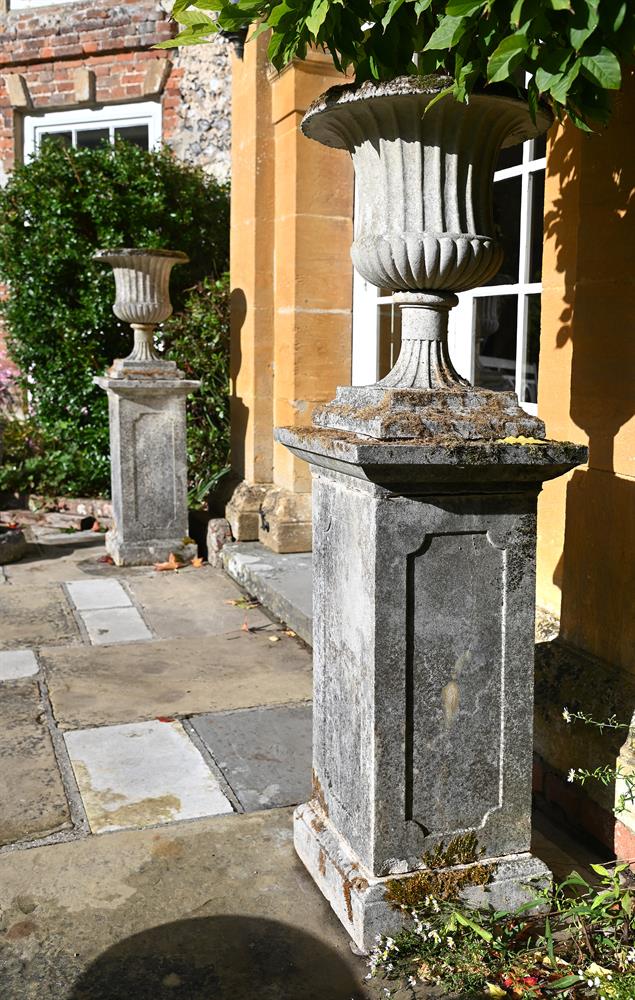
(147, 385)
(504, 462)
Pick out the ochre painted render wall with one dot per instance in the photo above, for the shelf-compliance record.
(586, 385)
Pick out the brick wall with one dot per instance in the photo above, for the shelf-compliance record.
(86, 54)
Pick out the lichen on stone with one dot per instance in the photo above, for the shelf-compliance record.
(448, 870)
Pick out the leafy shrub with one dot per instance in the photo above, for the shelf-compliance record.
(198, 340)
(573, 49)
(54, 213)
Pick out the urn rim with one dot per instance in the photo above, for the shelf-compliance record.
(176, 255)
(343, 98)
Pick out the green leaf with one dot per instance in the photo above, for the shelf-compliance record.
(558, 4)
(390, 13)
(514, 18)
(601, 870)
(421, 6)
(586, 17)
(561, 984)
(464, 8)
(194, 18)
(560, 88)
(506, 57)
(278, 13)
(316, 18)
(603, 69)
(447, 34)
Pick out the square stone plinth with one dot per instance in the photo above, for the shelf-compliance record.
(423, 641)
(148, 469)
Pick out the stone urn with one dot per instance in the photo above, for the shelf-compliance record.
(424, 170)
(142, 284)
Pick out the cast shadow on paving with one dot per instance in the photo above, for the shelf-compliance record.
(220, 958)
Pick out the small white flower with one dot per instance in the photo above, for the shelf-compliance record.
(412, 981)
(450, 942)
(571, 775)
(566, 715)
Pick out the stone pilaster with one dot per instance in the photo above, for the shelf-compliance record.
(424, 577)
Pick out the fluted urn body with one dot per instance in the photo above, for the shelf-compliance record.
(142, 286)
(424, 168)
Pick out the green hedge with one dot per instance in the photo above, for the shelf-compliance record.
(54, 213)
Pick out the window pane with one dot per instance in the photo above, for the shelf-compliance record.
(89, 138)
(539, 147)
(510, 157)
(63, 138)
(389, 335)
(135, 134)
(537, 182)
(529, 385)
(495, 329)
(507, 227)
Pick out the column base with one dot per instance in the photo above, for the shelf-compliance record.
(286, 521)
(359, 898)
(148, 551)
(243, 510)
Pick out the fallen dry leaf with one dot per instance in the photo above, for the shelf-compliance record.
(173, 563)
(96, 525)
(274, 638)
(290, 632)
(197, 562)
(106, 559)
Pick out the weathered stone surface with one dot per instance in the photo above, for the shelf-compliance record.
(216, 908)
(194, 602)
(141, 774)
(17, 663)
(282, 582)
(31, 790)
(108, 684)
(148, 469)
(264, 753)
(466, 414)
(243, 510)
(13, 545)
(219, 533)
(115, 625)
(285, 521)
(423, 653)
(89, 595)
(35, 616)
(359, 898)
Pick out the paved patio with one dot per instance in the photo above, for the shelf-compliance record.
(155, 733)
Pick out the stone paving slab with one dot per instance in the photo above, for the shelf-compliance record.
(115, 625)
(264, 753)
(17, 663)
(32, 799)
(32, 616)
(282, 581)
(142, 774)
(217, 909)
(104, 685)
(193, 602)
(89, 595)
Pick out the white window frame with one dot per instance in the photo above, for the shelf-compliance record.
(109, 116)
(463, 316)
(31, 4)
(367, 299)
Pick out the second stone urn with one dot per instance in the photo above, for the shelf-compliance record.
(146, 404)
(142, 283)
(424, 167)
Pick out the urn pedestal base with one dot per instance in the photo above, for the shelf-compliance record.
(362, 901)
(423, 643)
(463, 413)
(148, 469)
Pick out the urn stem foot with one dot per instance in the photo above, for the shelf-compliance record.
(424, 360)
(143, 349)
